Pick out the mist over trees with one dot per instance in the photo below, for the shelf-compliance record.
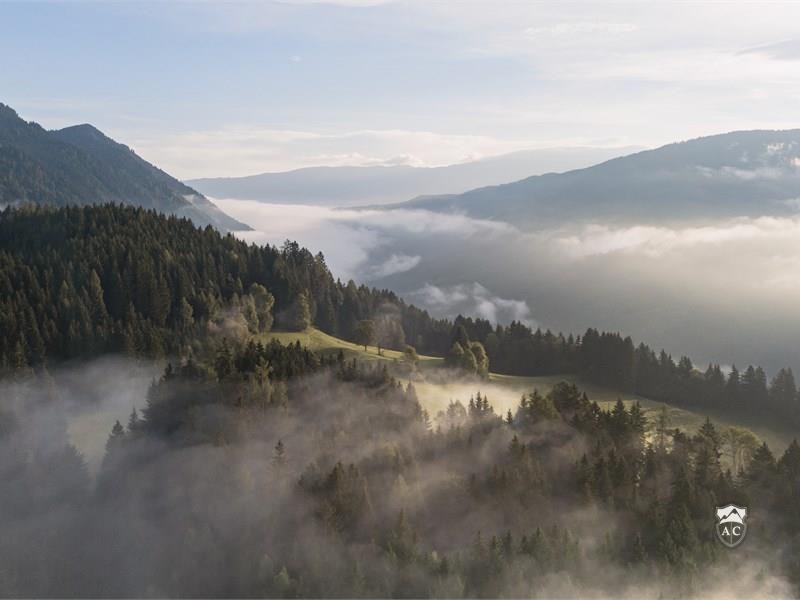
(469, 356)
(274, 471)
(263, 469)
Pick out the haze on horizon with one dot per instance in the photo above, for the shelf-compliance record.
(229, 89)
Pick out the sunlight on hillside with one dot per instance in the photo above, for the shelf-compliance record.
(504, 391)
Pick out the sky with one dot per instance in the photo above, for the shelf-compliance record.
(235, 88)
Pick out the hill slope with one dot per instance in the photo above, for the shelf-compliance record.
(324, 343)
(746, 173)
(350, 186)
(80, 165)
(86, 280)
(504, 391)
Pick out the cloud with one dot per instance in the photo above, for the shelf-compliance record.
(346, 245)
(735, 279)
(357, 243)
(408, 160)
(655, 241)
(346, 3)
(396, 263)
(471, 299)
(641, 64)
(582, 27)
(786, 50)
(244, 150)
(746, 174)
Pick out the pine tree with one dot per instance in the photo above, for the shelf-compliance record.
(223, 364)
(279, 455)
(762, 466)
(133, 421)
(789, 463)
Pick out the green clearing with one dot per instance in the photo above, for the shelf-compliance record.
(504, 391)
(314, 339)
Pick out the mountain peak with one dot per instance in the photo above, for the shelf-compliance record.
(6, 112)
(83, 133)
(81, 165)
(84, 128)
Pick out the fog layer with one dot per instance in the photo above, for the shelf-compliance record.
(732, 279)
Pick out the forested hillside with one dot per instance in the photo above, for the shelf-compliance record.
(80, 165)
(82, 281)
(261, 469)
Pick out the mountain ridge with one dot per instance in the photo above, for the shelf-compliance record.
(741, 173)
(81, 165)
(378, 184)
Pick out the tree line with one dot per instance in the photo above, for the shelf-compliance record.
(612, 360)
(83, 281)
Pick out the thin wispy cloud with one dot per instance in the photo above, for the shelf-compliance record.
(582, 27)
(450, 79)
(242, 150)
(785, 50)
(472, 299)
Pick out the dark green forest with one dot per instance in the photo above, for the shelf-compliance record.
(613, 360)
(83, 281)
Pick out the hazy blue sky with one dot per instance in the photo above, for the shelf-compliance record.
(233, 88)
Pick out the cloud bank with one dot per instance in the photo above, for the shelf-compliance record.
(471, 299)
(238, 150)
(734, 280)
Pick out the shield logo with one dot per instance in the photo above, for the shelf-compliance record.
(731, 524)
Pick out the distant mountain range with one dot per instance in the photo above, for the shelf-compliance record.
(745, 173)
(80, 165)
(354, 186)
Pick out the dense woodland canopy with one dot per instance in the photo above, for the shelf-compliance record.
(81, 281)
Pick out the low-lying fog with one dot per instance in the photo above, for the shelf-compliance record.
(82, 401)
(720, 292)
(201, 519)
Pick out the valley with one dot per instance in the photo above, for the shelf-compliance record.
(388, 299)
